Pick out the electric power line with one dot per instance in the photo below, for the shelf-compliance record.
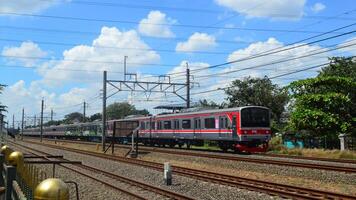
(156, 24)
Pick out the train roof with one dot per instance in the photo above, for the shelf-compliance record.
(193, 113)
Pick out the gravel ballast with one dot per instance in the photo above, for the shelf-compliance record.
(190, 187)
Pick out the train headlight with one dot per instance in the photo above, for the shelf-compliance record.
(267, 132)
(245, 132)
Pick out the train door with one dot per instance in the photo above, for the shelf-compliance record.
(234, 126)
(221, 121)
(197, 127)
(176, 128)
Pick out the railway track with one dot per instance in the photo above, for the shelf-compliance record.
(245, 159)
(163, 192)
(282, 190)
(349, 161)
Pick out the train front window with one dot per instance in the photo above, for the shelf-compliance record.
(255, 117)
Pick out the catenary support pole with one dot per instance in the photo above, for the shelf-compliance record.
(84, 107)
(22, 122)
(103, 138)
(41, 128)
(13, 121)
(1, 124)
(188, 86)
(51, 114)
(125, 58)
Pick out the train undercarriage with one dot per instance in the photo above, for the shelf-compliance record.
(225, 146)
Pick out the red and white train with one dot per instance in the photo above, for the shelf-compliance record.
(239, 129)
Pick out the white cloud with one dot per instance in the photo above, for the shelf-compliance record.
(106, 53)
(197, 42)
(26, 49)
(27, 6)
(19, 95)
(156, 25)
(350, 49)
(276, 9)
(317, 7)
(262, 66)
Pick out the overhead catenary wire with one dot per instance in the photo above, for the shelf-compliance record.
(282, 49)
(98, 33)
(277, 76)
(281, 61)
(156, 24)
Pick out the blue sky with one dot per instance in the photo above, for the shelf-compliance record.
(43, 42)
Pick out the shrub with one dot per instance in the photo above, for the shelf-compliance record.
(276, 144)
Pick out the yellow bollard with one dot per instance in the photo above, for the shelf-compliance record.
(97, 147)
(16, 158)
(52, 189)
(6, 151)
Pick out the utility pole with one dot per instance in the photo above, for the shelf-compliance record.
(34, 121)
(104, 111)
(84, 111)
(41, 129)
(13, 121)
(51, 114)
(22, 122)
(188, 86)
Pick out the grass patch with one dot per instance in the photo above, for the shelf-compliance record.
(276, 147)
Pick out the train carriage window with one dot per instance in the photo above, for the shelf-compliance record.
(197, 123)
(153, 126)
(186, 124)
(223, 122)
(176, 124)
(159, 125)
(209, 122)
(167, 125)
(142, 125)
(148, 125)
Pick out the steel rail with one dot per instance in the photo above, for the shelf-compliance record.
(252, 160)
(287, 191)
(142, 185)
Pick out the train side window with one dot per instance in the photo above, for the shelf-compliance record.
(176, 124)
(167, 125)
(197, 123)
(186, 124)
(153, 125)
(142, 125)
(223, 122)
(158, 125)
(148, 125)
(209, 122)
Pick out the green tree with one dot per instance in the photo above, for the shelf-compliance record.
(120, 110)
(73, 117)
(258, 92)
(209, 104)
(95, 116)
(340, 66)
(325, 105)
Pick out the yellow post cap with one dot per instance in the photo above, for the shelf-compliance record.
(52, 189)
(15, 158)
(4, 149)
